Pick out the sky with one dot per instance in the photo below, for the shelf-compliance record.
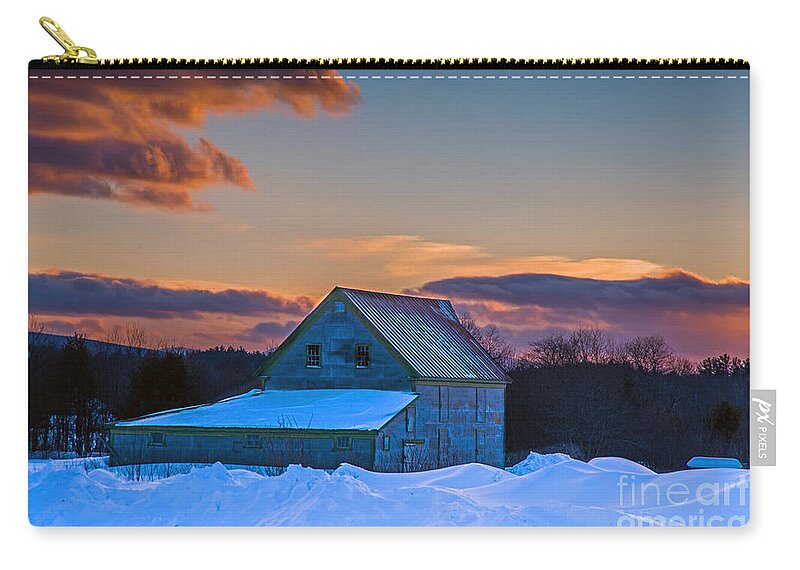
(210, 211)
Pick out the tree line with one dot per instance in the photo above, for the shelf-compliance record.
(77, 387)
(588, 395)
(581, 393)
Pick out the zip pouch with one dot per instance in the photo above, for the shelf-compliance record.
(387, 292)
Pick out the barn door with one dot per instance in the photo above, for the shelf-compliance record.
(408, 457)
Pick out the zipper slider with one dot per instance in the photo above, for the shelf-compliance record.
(72, 52)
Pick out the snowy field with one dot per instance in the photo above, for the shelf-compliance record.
(542, 490)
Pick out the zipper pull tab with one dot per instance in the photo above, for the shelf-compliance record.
(72, 52)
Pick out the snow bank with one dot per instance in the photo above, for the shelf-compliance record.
(536, 461)
(619, 464)
(541, 490)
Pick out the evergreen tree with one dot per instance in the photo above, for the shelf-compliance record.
(159, 383)
(725, 419)
(74, 392)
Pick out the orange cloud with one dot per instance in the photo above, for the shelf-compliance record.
(116, 139)
(415, 259)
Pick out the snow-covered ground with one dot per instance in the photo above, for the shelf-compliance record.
(542, 490)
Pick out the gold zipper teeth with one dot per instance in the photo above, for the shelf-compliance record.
(454, 63)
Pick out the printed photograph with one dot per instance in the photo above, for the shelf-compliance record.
(388, 297)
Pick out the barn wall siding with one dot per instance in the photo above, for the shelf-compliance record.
(279, 451)
(338, 335)
(391, 460)
(453, 438)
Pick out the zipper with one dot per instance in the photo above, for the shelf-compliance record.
(79, 57)
(72, 53)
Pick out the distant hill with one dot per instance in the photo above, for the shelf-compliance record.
(94, 346)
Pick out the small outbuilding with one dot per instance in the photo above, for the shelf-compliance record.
(273, 427)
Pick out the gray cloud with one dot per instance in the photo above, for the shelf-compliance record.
(698, 317)
(267, 331)
(676, 291)
(74, 293)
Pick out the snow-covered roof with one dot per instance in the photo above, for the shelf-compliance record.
(287, 409)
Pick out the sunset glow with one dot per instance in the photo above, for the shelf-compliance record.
(212, 212)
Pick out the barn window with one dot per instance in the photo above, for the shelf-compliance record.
(362, 356)
(157, 438)
(387, 442)
(252, 440)
(344, 442)
(313, 355)
(338, 307)
(411, 419)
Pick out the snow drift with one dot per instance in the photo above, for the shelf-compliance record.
(542, 490)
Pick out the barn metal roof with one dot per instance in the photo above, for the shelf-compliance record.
(354, 409)
(427, 334)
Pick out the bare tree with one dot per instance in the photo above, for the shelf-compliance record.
(651, 354)
(551, 351)
(135, 336)
(581, 346)
(589, 345)
(615, 352)
(114, 336)
(681, 366)
(37, 329)
(491, 341)
(271, 345)
(468, 322)
(36, 324)
(497, 347)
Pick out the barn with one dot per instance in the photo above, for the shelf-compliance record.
(383, 381)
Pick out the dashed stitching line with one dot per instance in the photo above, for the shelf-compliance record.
(390, 77)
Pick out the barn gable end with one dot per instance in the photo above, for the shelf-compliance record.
(337, 330)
